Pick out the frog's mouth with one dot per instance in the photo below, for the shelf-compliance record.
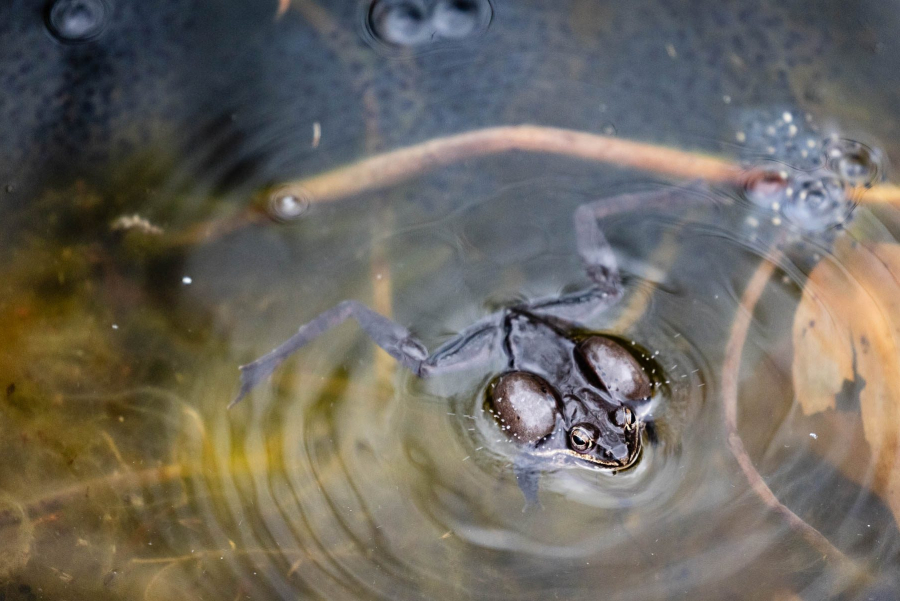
(634, 440)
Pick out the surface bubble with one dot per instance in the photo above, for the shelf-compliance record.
(77, 20)
(287, 206)
(853, 161)
(400, 22)
(816, 202)
(455, 19)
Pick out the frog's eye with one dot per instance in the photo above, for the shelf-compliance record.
(606, 361)
(581, 439)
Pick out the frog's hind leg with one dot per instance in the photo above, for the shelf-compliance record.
(468, 348)
(597, 255)
(391, 336)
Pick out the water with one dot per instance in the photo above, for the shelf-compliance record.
(122, 473)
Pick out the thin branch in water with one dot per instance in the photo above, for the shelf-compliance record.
(57, 500)
(389, 168)
(398, 165)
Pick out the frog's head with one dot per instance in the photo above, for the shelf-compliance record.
(605, 434)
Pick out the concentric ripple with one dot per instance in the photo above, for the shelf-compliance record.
(329, 485)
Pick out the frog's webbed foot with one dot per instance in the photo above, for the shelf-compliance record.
(597, 255)
(467, 349)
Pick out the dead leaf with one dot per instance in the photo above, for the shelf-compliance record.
(847, 348)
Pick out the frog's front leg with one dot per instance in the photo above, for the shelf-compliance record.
(528, 479)
(597, 255)
(468, 348)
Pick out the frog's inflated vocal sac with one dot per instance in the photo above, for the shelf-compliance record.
(564, 395)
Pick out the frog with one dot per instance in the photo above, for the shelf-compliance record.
(568, 394)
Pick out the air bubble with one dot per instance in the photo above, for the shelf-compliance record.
(455, 19)
(287, 206)
(817, 202)
(853, 161)
(400, 22)
(77, 20)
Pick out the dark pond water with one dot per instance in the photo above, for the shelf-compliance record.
(134, 282)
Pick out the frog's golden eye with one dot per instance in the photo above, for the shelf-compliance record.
(581, 439)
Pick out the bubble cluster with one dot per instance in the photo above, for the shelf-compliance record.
(418, 22)
(781, 135)
(810, 180)
(76, 21)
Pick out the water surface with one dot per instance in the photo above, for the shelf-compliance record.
(122, 473)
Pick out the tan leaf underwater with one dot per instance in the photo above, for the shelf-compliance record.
(847, 330)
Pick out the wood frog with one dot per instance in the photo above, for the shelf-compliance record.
(567, 394)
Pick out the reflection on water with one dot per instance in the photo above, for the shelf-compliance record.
(122, 473)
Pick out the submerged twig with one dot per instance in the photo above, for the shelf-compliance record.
(57, 499)
(397, 165)
(730, 371)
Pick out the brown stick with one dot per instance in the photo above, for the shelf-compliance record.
(881, 194)
(730, 372)
(397, 165)
(392, 167)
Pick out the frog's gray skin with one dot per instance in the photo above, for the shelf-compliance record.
(572, 394)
